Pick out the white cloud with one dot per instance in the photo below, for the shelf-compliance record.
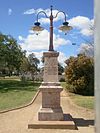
(87, 49)
(41, 42)
(87, 32)
(34, 42)
(9, 11)
(79, 21)
(83, 24)
(62, 57)
(20, 38)
(30, 11)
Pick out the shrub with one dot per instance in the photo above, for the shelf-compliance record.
(62, 80)
(80, 74)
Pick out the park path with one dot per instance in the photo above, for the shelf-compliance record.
(17, 121)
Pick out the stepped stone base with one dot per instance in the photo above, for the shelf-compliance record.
(67, 123)
(50, 114)
(50, 109)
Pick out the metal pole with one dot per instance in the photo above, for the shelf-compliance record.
(51, 32)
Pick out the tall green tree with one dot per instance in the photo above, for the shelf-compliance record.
(10, 54)
(79, 74)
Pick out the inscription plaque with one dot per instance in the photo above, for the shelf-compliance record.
(51, 70)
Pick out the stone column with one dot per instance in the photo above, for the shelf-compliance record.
(50, 89)
(50, 67)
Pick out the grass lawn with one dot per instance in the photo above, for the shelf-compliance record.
(14, 93)
(83, 101)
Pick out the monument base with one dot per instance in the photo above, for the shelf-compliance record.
(51, 109)
(50, 114)
(67, 123)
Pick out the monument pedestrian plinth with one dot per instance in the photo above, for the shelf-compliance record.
(50, 89)
(50, 114)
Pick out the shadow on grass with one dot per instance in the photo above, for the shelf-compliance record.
(9, 85)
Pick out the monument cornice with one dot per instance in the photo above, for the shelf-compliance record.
(51, 54)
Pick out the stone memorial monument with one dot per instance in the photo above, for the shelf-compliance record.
(50, 89)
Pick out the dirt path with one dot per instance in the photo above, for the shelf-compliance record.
(17, 121)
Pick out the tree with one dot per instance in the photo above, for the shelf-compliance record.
(29, 65)
(79, 74)
(60, 69)
(25, 65)
(33, 64)
(10, 54)
(2, 53)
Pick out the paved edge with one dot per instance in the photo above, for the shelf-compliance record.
(32, 101)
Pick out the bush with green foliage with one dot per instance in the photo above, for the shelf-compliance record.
(79, 74)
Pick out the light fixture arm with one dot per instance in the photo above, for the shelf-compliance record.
(42, 13)
(61, 12)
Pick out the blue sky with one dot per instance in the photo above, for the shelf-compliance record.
(18, 16)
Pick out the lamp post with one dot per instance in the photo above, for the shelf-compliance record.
(37, 28)
(50, 88)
